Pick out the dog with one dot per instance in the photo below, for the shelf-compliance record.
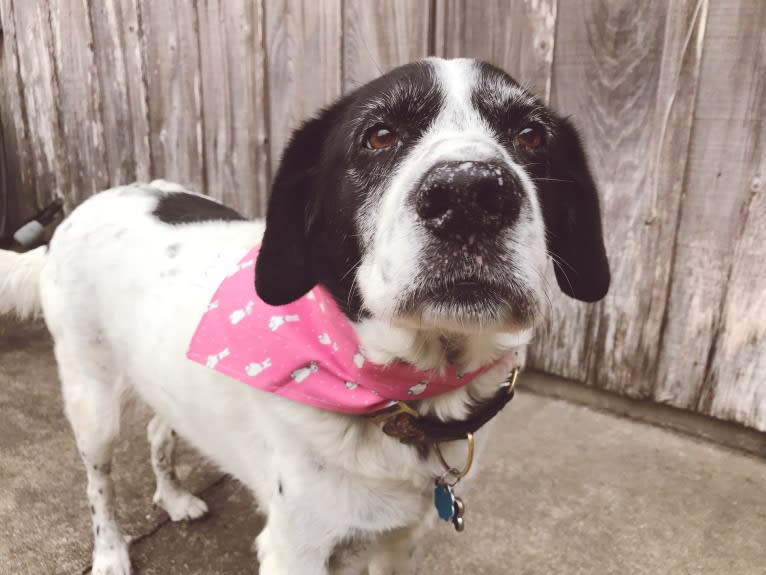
(428, 204)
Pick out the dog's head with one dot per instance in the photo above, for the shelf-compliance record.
(432, 196)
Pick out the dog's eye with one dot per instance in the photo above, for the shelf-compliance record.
(380, 137)
(530, 137)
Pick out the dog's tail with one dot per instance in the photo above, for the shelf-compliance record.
(20, 282)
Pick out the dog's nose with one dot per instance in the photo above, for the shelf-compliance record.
(468, 197)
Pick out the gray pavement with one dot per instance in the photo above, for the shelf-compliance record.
(563, 489)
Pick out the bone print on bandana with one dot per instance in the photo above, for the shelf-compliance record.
(306, 351)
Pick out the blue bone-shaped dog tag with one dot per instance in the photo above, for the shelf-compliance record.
(444, 501)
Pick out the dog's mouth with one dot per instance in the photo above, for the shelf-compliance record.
(470, 303)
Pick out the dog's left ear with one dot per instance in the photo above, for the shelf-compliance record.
(573, 219)
(283, 270)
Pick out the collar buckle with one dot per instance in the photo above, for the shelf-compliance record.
(392, 411)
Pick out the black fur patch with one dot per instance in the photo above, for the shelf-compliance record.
(561, 174)
(181, 208)
(326, 176)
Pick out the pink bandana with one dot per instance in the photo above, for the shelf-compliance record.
(306, 351)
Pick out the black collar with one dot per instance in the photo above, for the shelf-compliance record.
(404, 423)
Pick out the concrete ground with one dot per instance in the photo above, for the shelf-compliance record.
(563, 490)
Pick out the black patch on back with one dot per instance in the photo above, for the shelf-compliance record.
(182, 208)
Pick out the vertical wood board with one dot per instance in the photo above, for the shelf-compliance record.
(735, 383)
(37, 69)
(606, 74)
(172, 70)
(125, 114)
(233, 102)
(79, 101)
(19, 159)
(524, 48)
(380, 35)
(710, 321)
(303, 43)
(629, 75)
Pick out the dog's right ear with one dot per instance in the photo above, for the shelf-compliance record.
(283, 271)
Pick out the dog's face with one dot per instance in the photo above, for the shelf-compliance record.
(432, 197)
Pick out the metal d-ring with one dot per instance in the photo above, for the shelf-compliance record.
(458, 475)
(510, 381)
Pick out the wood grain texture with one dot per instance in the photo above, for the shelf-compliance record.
(523, 48)
(233, 102)
(170, 48)
(712, 357)
(669, 97)
(124, 109)
(303, 41)
(382, 34)
(79, 101)
(627, 71)
(37, 73)
(19, 156)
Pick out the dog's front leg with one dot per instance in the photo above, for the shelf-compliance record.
(307, 533)
(286, 547)
(399, 552)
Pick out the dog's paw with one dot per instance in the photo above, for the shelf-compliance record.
(111, 561)
(181, 505)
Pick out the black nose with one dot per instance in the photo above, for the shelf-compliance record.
(468, 197)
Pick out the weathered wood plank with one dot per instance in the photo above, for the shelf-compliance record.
(303, 39)
(712, 350)
(171, 59)
(79, 101)
(19, 156)
(380, 35)
(37, 70)
(125, 115)
(627, 71)
(524, 47)
(234, 99)
(735, 383)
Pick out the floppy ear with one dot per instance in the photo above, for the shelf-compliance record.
(573, 219)
(283, 270)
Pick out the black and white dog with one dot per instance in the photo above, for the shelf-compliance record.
(428, 202)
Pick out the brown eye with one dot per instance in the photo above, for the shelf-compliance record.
(530, 137)
(380, 138)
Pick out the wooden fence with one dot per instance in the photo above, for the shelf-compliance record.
(669, 96)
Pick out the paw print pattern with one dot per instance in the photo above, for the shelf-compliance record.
(324, 339)
(238, 315)
(351, 385)
(212, 360)
(253, 369)
(299, 375)
(417, 389)
(277, 321)
(212, 305)
(358, 360)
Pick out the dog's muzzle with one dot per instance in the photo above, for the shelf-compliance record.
(459, 198)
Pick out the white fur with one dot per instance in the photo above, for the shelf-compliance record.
(19, 282)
